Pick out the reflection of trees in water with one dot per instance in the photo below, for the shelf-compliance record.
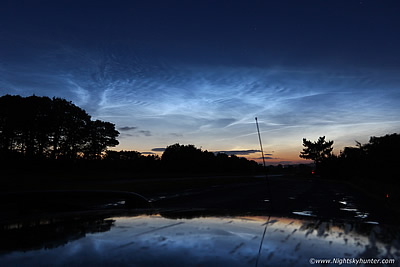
(342, 229)
(48, 219)
(52, 233)
(51, 230)
(374, 240)
(388, 234)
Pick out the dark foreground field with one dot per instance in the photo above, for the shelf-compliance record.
(193, 221)
(286, 196)
(279, 195)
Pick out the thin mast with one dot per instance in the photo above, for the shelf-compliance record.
(259, 138)
(269, 193)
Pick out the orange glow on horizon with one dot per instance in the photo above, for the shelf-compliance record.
(286, 157)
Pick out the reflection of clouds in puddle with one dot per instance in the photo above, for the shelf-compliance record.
(343, 206)
(155, 240)
(348, 209)
(348, 205)
(115, 204)
(304, 213)
(362, 215)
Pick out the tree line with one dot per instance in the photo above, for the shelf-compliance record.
(179, 158)
(53, 133)
(377, 161)
(42, 128)
(379, 157)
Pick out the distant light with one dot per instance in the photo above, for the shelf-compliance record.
(387, 195)
(312, 172)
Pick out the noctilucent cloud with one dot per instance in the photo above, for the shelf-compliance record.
(198, 72)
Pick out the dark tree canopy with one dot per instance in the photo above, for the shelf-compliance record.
(184, 157)
(100, 135)
(378, 158)
(188, 158)
(40, 127)
(122, 155)
(317, 151)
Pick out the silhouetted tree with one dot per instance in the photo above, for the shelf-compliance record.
(100, 136)
(188, 158)
(122, 155)
(9, 127)
(40, 127)
(23, 125)
(320, 152)
(71, 129)
(378, 158)
(181, 158)
(316, 151)
(131, 161)
(34, 125)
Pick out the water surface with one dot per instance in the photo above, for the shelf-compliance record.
(169, 240)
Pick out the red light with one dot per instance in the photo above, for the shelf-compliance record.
(387, 195)
(312, 172)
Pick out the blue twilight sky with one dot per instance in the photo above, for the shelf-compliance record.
(198, 72)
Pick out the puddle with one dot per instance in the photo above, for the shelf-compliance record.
(154, 240)
(362, 215)
(349, 209)
(115, 204)
(371, 222)
(304, 213)
(349, 206)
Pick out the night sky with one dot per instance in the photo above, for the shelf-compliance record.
(198, 72)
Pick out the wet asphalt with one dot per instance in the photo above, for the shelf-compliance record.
(286, 196)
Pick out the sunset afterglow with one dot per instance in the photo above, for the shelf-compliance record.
(198, 73)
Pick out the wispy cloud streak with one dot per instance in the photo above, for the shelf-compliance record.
(208, 105)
